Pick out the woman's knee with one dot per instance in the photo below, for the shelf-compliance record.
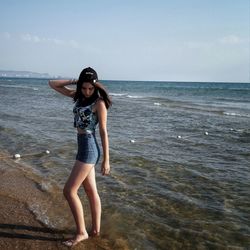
(69, 192)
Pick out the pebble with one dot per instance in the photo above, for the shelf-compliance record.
(17, 156)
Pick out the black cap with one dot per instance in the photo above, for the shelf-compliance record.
(88, 75)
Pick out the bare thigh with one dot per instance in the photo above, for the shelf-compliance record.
(78, 174)
(89, 183)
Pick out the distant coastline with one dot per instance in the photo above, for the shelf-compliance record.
(31, 74)
(24, 74)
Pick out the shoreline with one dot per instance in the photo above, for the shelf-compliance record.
(25, 206)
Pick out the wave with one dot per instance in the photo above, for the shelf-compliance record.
(117, 94)
(125, 95)
(235, 114)
(134, 96)
(18, 86)
(157, 104)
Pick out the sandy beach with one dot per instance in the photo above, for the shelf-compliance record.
(20, 227)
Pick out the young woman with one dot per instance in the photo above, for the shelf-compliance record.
(91, 104)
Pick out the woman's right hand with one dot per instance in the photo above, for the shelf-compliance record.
(61, 87)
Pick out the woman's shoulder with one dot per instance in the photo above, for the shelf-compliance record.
(100, 103)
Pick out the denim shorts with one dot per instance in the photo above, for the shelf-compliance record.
(88, 149)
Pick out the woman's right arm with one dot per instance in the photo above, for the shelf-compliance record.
(61, 87)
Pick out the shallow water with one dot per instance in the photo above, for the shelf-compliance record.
(164, 192)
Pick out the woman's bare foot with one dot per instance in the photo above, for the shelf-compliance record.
(78, 238)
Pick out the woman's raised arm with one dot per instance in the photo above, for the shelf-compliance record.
(61, 87)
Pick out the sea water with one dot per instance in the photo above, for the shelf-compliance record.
(179, 153)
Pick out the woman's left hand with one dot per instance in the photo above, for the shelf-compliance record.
(105, 168)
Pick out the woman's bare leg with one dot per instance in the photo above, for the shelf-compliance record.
(94, 200)
(78, 174)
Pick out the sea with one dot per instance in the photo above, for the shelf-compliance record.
(179, 155)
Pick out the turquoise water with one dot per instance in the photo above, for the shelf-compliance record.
(180, 156)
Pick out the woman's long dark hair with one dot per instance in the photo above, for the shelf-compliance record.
(99, 92)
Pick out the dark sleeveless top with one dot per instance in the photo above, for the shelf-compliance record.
(85, 118)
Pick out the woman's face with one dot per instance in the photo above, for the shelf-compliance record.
(87, 89)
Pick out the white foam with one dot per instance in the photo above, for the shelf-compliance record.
(40, 214)
(134, 96)
(45, 187)
(236, 114)
(125, 95)
(18, 87)
(116, 94)
(157, 104)
(231, 114)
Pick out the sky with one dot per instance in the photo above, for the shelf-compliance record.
(147, 40)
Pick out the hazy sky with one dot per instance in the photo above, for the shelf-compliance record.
(178, 40)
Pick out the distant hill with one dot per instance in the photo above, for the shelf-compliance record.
(23, 74)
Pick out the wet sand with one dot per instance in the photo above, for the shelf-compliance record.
(22, 203)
